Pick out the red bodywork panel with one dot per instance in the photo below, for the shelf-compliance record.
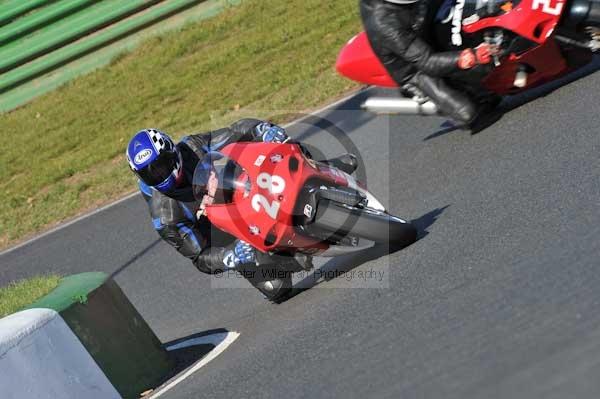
(358, 62)
(531, 19)
(547, 63)
(251, 216)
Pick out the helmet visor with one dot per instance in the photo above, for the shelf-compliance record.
(159, 170)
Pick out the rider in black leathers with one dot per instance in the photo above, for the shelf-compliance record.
(395, 29)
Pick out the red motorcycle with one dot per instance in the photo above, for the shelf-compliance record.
(540, 41)
(282, 202)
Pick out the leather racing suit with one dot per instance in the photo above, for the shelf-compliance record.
(174, 213)
(396, 34)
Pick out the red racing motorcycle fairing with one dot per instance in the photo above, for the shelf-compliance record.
(358, 62)
(263, 216)
(534, 20)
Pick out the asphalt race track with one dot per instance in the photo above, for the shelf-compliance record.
(499, 298)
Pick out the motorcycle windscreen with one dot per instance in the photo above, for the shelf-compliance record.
(218, 179)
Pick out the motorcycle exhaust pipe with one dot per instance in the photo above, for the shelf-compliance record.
(402, 106)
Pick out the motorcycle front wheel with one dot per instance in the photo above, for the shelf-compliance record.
(371, 224)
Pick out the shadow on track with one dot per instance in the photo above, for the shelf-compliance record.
(427, 220)
(135, 258)
(513, 102)
(343, 264)
(187, 352)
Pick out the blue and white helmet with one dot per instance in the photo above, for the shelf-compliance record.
(155, 159)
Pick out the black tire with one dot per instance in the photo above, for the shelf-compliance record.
(371, 224)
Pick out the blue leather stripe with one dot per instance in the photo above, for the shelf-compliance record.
(190, 233)
(188, 213)
(145, 189)
(157, 224)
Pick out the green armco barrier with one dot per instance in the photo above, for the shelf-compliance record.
(40, 18)
(73, 51)
(112, 331)
(68, 30)
(51, 76)
(11, 9)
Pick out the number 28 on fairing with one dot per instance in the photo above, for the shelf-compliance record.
(546, 6)
(275, 185)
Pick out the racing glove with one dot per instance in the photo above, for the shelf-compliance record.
(217, 260)
(244, 253)
(270, 133)
(482, 54)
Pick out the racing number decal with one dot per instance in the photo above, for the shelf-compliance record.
(275, 185)
(546, 6)
(259, 201)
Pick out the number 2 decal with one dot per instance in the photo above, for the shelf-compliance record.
(272, 209)
(547, 7)
(275, 185)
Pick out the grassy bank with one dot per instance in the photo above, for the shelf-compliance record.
(65, 153)
(16, 296)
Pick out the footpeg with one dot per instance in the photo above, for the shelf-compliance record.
(521, 77)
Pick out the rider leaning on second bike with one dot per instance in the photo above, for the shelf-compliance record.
(165, 171)
(397, 30)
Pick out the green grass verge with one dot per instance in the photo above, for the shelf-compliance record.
(19, 294)
(263, 57)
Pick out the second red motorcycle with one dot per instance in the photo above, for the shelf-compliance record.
(540, 41)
